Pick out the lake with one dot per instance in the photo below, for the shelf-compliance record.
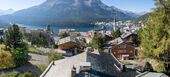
(78, 28)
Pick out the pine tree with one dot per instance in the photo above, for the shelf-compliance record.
(13, 40)
(98, 41)
(155, 36)
(13, 36)
(116, 33)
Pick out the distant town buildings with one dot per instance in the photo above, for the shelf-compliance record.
(123, 25)
(2, 31)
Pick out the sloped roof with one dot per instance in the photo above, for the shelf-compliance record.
(126, 34)
(116, 41)
(56, 39)
(151, 74)
(67, 39)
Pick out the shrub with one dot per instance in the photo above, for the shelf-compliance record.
(12, 74)
(6, 60)
(54, 56)
(160, 67)
(34, 50)
(20, 55)
(42, 67)
(26, 74)
(98, 41)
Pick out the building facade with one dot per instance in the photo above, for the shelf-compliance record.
(124, 52)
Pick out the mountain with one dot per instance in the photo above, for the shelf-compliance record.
(129, 13)
(3, 24)
(135, 15)
(142, 13)
(142, 18)
(6, 12)
(66, 11)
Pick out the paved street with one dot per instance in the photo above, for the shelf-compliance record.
(38, 59)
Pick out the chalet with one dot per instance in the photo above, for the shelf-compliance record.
(128, 37)
(67, 43)
(121, 50)
(71, 45)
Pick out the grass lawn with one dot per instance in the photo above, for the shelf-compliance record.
(34, 50)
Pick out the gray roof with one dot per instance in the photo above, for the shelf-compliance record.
(152, 74)
(67, 39)
(126, 34)
(56, 39)
(117, 41)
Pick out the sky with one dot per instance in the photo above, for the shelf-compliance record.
(132, 5)
(129, 5)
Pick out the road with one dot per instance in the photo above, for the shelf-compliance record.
(38, 59)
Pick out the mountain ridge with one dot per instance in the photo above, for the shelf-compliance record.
(66, 11)
(6, 12)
